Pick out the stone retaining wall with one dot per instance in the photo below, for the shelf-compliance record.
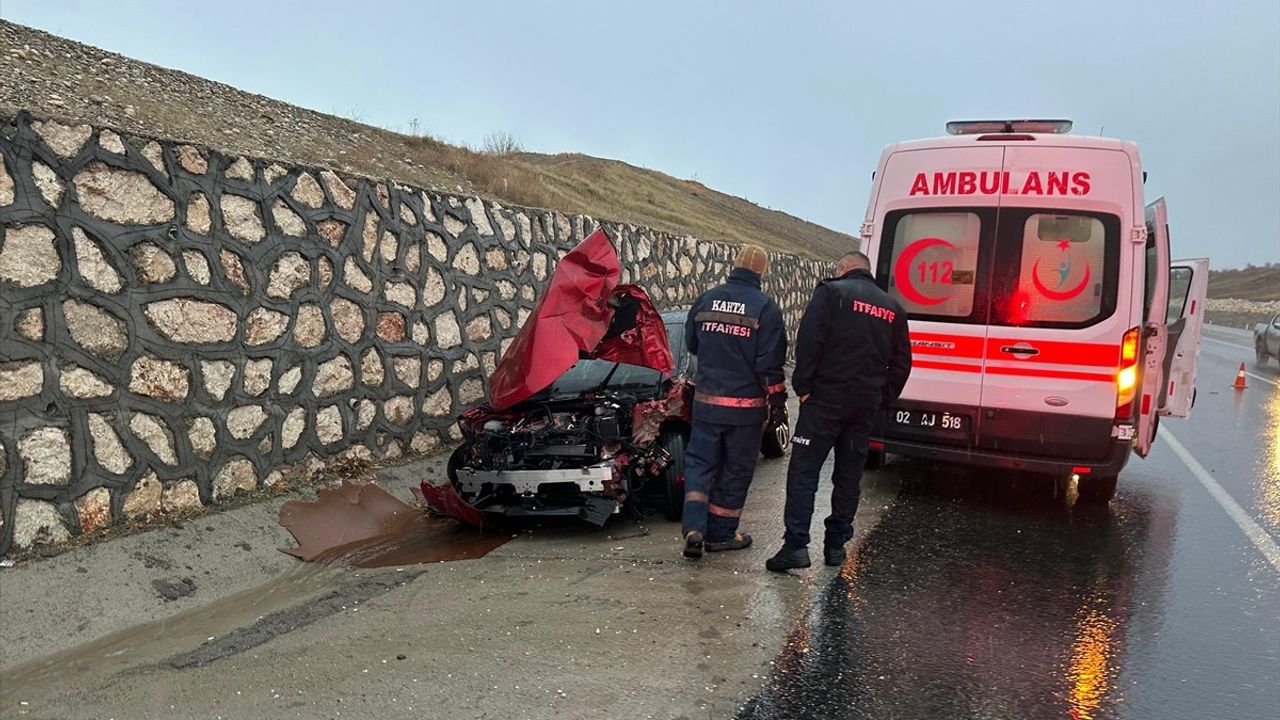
(178, 326)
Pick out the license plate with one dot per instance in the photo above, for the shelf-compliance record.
(932, 420)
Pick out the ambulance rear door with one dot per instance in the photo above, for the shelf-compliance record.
(932, 248)
(1188, 285)
(1061, 303)
(1154, 332)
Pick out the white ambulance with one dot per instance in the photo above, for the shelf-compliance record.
(1049, 327)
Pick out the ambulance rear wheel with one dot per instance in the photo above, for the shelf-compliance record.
(1095, 489)
(673, 476)
(875, 460)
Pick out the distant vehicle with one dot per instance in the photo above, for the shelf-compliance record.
(1049, 326)
(1266, 340)
(589, 408)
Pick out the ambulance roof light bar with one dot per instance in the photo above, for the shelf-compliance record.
(982, 127)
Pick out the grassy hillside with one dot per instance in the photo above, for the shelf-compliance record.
(1255, 282)
(49, 75)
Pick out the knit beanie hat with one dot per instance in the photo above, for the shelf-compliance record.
(753, 258)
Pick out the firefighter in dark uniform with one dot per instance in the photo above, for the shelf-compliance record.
(853, 356)
(737, 333)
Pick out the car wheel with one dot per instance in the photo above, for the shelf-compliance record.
(456, 460)
(773, 444)
(1095, 489)
(875, 460)
(1259, 355)
(673, 476)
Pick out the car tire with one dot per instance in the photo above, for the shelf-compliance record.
(673, 475)
(875, 460)
(456, 459)
(770, 446)
(1093, 490)
(1259, 355)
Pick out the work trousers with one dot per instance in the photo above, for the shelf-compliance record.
(718, 464)
(817, 431)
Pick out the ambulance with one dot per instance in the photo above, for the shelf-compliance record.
(1050, 329)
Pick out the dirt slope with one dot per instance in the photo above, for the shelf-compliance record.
(54, 76)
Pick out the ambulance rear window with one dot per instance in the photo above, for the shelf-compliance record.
(1061, 267)
(933, 266)
(1066, 268)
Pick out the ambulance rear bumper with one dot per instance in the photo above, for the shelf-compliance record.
(1111, 464)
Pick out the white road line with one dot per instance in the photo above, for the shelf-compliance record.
(1255, 376)
(1261, 540)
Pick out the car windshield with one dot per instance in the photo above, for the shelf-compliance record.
(588, 375)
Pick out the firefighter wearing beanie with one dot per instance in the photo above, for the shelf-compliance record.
(736, 332)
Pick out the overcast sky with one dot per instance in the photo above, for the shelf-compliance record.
(786, 104)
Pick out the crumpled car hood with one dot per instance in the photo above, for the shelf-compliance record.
(583, 313)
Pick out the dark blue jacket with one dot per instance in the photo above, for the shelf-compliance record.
(853, 348)
(738, 335)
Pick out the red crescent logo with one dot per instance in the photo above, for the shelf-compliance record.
(1065, 294)
(902, 270)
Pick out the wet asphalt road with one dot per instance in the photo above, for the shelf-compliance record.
(981, 597)
(965, 596)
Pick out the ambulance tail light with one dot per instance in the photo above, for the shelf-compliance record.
(1127, 375)
(984, 127)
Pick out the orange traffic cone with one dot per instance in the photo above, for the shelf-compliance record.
(1240, 384)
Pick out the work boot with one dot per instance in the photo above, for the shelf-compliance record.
(788, 558)
(693, 545)
(833, 555)
(739, 541)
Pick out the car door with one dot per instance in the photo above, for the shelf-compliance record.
(1154, 332)
(1188, 284)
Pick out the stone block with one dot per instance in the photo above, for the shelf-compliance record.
(342, 195)
(198, 219)
(192, 321)
(391, 326)
(93, 265)
(244, 421)
(287, 220)
(6, 185)
(180, 497)
(329, 425)
(93, 510)
(307, 191)
(333, 376)
(30, 324)
(47, 183)
(398, 410)
(348, 319)
(291, 271)
(294, 423)
(77, 382)
(29, 256)
(257, 376)
(355, 278)
(234, 270)
(152, 431)
(408, 370)
(371, 370)
(467, 260)
(197, 266)
(242, 219)
(121, 196)
(192, 160)
(152, 263)
(64, 140)
(107, 448)
(241, 170)
(264, 325)
(203, 436)
(433, 289)
(332, 230)
(158, 378)
(400, 294)
(448, 334)
(46, 456)
(37, 522)
(235, 477)
(20, 380)
(309, 329)
(289, 380)
(144, 499)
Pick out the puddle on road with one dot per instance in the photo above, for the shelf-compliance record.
(365, 526)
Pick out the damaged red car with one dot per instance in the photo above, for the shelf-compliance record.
(589, 406)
